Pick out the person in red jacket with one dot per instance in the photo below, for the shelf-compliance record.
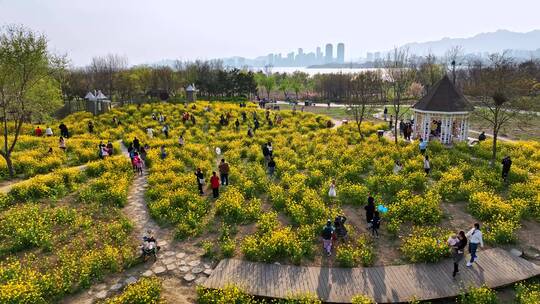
(214, 183)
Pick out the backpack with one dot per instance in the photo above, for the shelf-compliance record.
(327, 233)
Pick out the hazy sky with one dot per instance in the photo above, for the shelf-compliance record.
(152, 30)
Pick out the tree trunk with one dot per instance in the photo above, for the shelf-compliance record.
(494, 147)
(9, 164)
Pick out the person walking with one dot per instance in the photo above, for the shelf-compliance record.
(397, 167)
(165, 130)
(475, 239)
(214, 183)
(457, 245)
(237, 124)
(270, 149)
(181, 141)
(150, 132)
(136, 143)
(385, 113)
(63, 130)
(271, 166)
(423, 146)
(370, 210)
(90, 127)
(427, 166)
(224, 172)
(62, 143)
(163, 153)
(332, 191)
(327, 236)
(138, 164)
(506, 163)
(200, 180)
(375, 224)
(482, 136)
(110, 148)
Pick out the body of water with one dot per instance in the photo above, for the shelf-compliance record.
(311, 72)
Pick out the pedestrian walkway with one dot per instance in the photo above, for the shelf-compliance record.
(173, 259)
(387, 284)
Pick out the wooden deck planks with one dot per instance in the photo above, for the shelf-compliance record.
(495, 267)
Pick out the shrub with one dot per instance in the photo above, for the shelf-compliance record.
(425, 244)
(361, 299)
(449, 185)
(144, 291)
(229, 294)
(487, 206)
(501, 230)
(234, 208)
(414, 208)
(354, 194)
(353, 254)
(528, 293)
(478, 295)
(208, 248)
(110, 188)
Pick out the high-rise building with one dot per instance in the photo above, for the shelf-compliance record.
(341, 53)
(329, 54)
(369, 56)
(377, 56)
(270, 59)
(319, 55)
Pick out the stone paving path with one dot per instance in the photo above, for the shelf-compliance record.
(174, 259)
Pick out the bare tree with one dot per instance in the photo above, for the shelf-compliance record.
(498, 87)
(399, 74)
(364, 89)
(451, 58)
(104, 69)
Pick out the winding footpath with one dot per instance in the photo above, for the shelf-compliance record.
(177, 260)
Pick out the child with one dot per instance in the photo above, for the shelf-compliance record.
(138, 163)
(452, 240)
(332, 191)
(375, 224)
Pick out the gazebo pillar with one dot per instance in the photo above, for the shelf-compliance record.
(446, 129)
(426, 122)
(464, 131)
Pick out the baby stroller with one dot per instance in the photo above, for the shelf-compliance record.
(149, 248)
(339, 223)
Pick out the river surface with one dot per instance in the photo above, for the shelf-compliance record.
(311, 72)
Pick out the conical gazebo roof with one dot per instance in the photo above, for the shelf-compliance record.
(444, 97)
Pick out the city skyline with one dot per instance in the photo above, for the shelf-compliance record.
(300, 58)
(164, 29)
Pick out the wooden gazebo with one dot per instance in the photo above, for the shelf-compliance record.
(442, 114)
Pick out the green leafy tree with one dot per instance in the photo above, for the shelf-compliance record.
(266, 81)
(298, 82)
(27, 86)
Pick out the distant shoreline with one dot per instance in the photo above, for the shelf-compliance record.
(350, 65)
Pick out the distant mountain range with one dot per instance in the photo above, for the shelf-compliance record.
(494, 42)
(519, 45)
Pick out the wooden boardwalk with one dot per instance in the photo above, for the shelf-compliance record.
(495, 267)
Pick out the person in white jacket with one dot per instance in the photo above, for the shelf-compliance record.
(475, 238)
